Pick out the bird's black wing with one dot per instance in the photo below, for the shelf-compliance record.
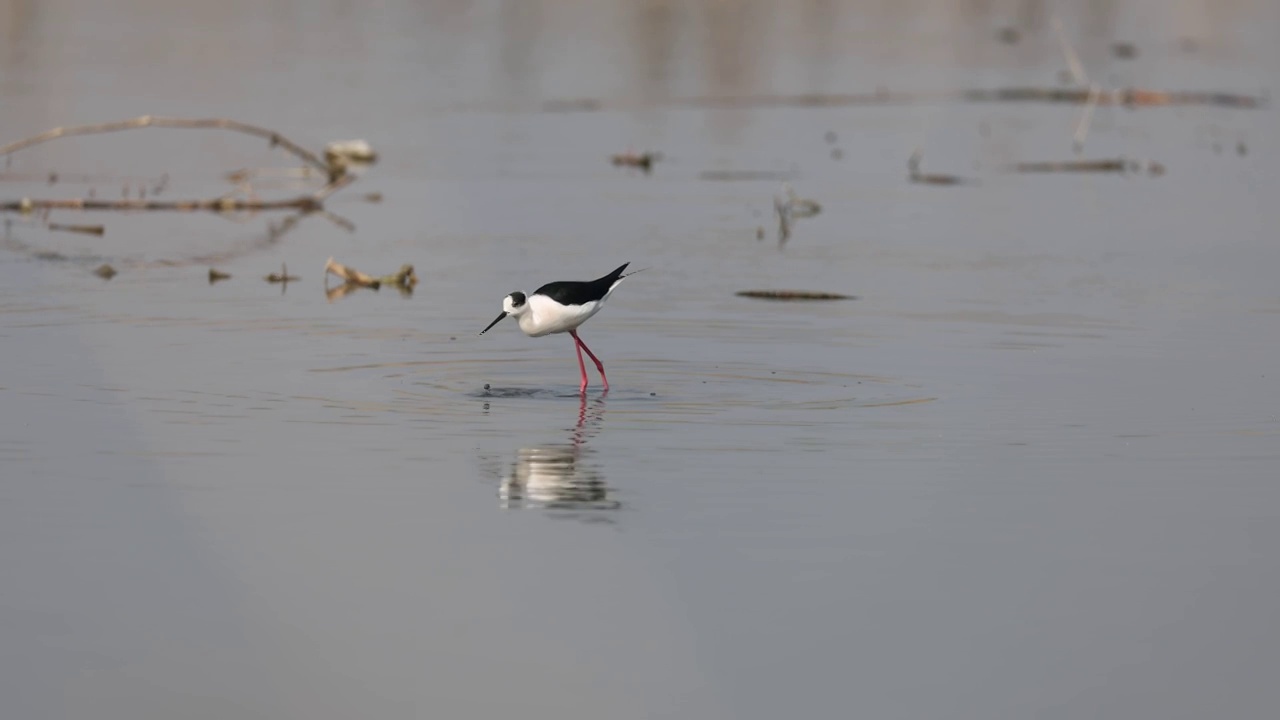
(578, 292)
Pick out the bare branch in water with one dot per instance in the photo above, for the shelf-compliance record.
(145, 121)
(404, 279)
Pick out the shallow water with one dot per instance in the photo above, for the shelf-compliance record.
(1029, 471)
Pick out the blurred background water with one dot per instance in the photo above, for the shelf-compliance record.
(1029, 472)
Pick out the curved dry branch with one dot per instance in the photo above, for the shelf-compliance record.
(144, 121)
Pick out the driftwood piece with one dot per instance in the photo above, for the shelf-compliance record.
(793, 295)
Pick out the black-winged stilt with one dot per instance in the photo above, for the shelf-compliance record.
(560, 307)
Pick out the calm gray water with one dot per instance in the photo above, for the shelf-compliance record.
(1030, 472)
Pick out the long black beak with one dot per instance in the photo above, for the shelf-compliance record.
(495, 322)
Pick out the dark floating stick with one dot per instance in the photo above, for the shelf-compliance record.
(793, 295)
(98, 230)
(216, 275)
(1116, 165)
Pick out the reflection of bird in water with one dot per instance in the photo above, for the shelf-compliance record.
(556, 477)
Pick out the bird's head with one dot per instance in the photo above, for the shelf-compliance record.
(515, 304)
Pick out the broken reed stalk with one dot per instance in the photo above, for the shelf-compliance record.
(145, 121)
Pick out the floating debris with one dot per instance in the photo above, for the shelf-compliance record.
(403, 280)
(793, 295)
(216, 275)
(914, 175)
(1117, 165)
(799, 206)
(105, 271)
(1124, 50)
(282, 277)
(789, 208)
(98, 230)
(644, 160)
(352, 150)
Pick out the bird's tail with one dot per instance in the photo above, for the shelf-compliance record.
(620, 274)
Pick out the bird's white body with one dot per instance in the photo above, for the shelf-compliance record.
(546, 316)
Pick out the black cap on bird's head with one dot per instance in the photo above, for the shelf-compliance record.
(512, 304)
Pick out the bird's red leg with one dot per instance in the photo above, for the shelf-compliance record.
(596, 360)
(577, 344)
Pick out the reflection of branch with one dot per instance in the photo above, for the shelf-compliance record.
(144, 121)
(1074, 66)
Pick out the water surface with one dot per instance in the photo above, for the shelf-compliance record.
(1029, 472)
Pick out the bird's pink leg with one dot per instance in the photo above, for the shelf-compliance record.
(577, 344)
(596, 360)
